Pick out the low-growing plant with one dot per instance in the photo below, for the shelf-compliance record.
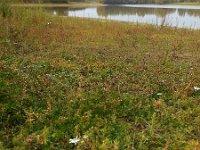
(64, 87)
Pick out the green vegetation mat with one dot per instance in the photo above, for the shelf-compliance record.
(102, 84)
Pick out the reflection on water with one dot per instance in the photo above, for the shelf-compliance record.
(169, 16)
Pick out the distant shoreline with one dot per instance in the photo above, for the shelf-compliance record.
(58, 5)
(186, 4)
(81, 5)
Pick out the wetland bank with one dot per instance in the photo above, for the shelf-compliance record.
(78, 83)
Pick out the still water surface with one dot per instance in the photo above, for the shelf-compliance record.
(175, 16)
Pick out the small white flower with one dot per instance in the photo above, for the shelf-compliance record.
(85, 137)
(55, 13)
(74, 140)
(163, 81)
(159, 94)
(196, 88)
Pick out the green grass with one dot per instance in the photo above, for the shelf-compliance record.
(124, 86)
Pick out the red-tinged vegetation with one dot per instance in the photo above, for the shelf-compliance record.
(123, 86)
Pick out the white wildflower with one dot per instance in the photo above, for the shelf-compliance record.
(54, 13)
(159, 94)
(85, 137)
(196, 88)
(74, 140)
(163, 81)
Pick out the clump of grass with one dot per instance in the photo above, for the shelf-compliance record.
(124, 87)
(5, 10)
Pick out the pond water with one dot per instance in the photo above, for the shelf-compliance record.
(175, 16)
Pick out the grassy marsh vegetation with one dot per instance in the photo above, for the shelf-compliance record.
(124, 86)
